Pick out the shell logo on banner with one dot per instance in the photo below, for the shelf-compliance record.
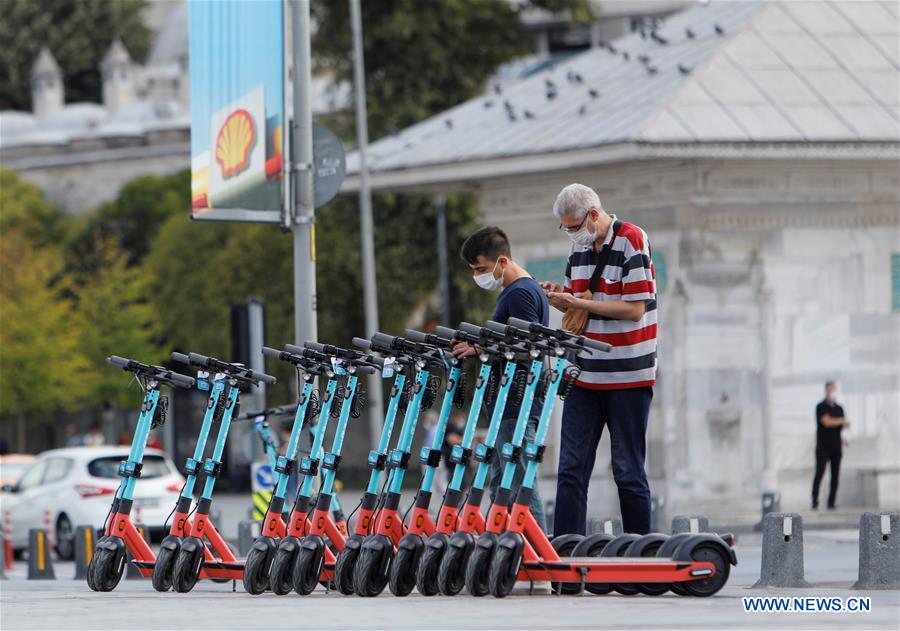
(234, 142)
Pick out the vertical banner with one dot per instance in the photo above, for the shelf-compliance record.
(237, 109)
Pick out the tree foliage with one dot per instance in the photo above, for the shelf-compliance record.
(77, 32)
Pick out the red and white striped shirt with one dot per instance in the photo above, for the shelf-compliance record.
(628, 275)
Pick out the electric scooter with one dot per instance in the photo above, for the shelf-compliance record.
(409, 549)
(108, 560)
(370, 575)
(281, 571)
(345, 563)
(698, 565)
(261, 554)
(444, 563)
(194, 555)
(164, 565)
(315, 560)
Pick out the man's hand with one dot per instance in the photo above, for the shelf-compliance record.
(464, 349)
(562, 300)
(549, 286)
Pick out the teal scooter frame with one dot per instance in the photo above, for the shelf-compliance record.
(108, 561)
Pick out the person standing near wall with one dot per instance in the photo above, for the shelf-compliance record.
(609, 295)
(830, 422)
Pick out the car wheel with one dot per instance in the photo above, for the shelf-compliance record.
(65, 538)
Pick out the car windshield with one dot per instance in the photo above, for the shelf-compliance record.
(10, 472)
(154, 467)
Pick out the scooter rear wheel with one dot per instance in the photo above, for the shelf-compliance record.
(667, 550)
(402, 575)
(89, 574)
(164, 568)
(617, 548)
(707, 551)
(187, 565)
(452, 573)
(280, 579)
(564, 546)
(648, 546)
(256, 570)
(106, 568)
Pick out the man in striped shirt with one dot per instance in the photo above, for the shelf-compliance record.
(614, 389)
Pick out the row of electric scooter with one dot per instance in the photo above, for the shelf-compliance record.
(308, 544)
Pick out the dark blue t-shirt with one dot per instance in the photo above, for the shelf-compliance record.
(523, 299)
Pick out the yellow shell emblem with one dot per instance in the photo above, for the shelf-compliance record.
(235, 140)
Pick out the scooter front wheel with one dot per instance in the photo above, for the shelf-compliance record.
(187, 565)
(372, 567)
(504, 568)
(280, 579)
(256, 568)
(345, 565)
(308, 566)
(478, 567)
(430, 565)
(107, 565)
(455, 559)
(164, 568)
(402, 576)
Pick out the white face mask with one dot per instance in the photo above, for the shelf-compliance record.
(487, 280)
(583, 237)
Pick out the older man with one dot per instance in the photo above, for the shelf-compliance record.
(610, 275)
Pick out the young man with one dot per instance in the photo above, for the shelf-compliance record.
(488, 254)
(829, 444)
(610, 267)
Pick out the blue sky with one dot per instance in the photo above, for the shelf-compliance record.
(235, 45)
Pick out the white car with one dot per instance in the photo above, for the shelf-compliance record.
(77, 485)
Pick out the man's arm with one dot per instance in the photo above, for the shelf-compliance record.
(833, 421)
(618, 309)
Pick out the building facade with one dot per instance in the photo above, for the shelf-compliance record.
(758, 145)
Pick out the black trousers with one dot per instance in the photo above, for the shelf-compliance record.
(825, 455)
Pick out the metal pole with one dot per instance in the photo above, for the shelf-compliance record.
(370, 297)
(443, 278)
(303, 210)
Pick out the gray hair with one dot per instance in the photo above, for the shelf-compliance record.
(575, 200)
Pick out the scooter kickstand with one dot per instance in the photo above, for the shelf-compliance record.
(583, 571)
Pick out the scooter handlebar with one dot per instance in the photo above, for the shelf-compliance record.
(585, 342)
(363, 343)
(315, 346)
(383, 339)
(416, 336)
(445, 332)
(471, 329)
(274, 353)
(118, 362)
(496, 327)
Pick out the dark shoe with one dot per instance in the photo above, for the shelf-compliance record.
(815, 506)
(831, 507)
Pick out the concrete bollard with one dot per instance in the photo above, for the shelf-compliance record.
(879, 551)
(2, 557)
(607, 525)
(782, 551)
(132, 570)
(85, 540)
(690, 523)
(248, 531)
(40, 565)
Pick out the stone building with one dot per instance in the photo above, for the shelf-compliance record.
(757, 143)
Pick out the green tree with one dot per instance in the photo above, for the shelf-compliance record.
(77, 32)
(23, 207)
(115, 318)
(132, 220)
(43, 366)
